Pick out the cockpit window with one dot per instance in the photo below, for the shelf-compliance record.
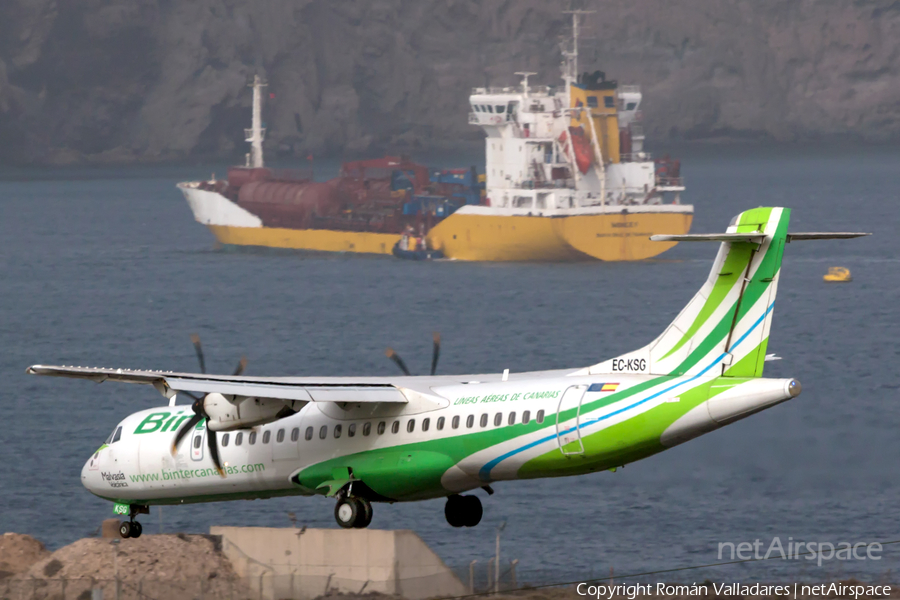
(117, 435)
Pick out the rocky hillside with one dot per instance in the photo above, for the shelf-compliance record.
(145, 80)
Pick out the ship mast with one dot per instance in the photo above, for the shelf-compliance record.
(257, 133)
(570, 62)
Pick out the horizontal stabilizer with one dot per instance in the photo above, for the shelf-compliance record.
(754, 238)
(824, 236)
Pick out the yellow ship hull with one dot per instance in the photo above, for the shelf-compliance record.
(608, 236)
(322, 240)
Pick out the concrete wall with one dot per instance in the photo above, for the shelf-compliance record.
(306, 563)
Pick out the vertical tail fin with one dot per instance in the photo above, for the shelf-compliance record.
(724, 329)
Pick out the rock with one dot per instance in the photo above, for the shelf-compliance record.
(19, 552)
(148, 80)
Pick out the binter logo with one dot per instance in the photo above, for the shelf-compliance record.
(163, 421)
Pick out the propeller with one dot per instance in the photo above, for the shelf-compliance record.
(435, 355)
(200, 410)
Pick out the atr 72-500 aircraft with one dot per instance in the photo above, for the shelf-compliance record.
(396, 439)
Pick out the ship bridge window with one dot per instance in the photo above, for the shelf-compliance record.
(500, 109)
(592, 101)
(476, 107)
(490, 108)
(631, 106)
(609, 102)
(522, 202)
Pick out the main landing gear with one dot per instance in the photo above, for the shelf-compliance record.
(352, 512)
(463, 511)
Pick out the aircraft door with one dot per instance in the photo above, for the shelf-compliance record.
(286, 443)
(568, 430)
(198, 441)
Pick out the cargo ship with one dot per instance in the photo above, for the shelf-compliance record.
(566, 178)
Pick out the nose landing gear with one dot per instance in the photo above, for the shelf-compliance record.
(352, 512)
(131, 528)
(463, 511)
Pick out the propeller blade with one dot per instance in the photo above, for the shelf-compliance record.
(436, 353)
(195, 339)
(397, 360)
(213, 445)
(192, 422)
(241, 366)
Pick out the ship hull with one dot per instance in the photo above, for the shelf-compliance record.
(469, 234)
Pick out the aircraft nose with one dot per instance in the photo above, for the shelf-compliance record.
(90, 472)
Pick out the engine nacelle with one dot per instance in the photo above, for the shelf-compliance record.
(239, 412)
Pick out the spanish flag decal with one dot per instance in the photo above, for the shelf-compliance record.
(603, 387)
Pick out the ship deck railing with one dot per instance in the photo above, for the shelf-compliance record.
(536, 90)
(636, 157)
(669, 182)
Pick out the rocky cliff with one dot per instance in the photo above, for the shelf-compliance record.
(145, 80)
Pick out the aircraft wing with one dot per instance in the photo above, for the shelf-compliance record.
(309, 389)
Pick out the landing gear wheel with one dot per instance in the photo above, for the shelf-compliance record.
(473, 510)
(347, 511)
(125, 529)
(136, 529)
(453, 511)
(365, 514)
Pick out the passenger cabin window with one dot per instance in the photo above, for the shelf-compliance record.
(251, 439)
(411, 425)
(337, 431)
(512, 418)
(380, 429)
(455, 422)
(351, 430)
(295, 434)
(540, 416)
(238, 438)
(224, 440)
(470, 421)
(279, 437)
(395, 426)
(526, 416)
(197, 441)
(323, 432)
(498, 419)
(609, 102)
(440, 423)
(425, 424)
(367, 428)
(267, 435)
(592, 101)
(309, 433)
(484, 420)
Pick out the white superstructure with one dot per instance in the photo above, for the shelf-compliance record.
(574, 148)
